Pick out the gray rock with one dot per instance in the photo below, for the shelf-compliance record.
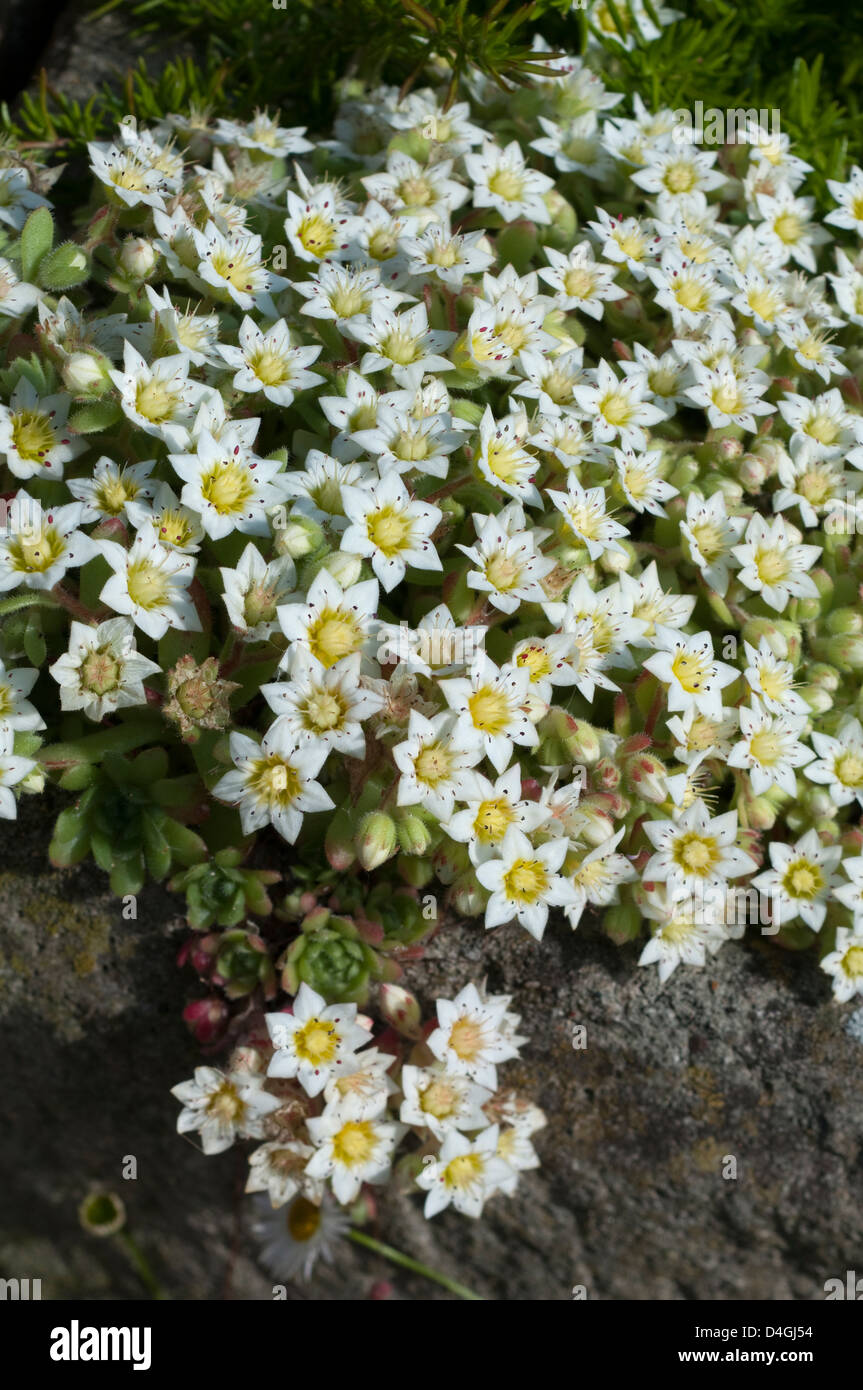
(747, 1060)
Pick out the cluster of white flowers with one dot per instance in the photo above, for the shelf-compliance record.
(510, 455)
(475, 1138)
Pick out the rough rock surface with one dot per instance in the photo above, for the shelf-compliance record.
(748, 1059)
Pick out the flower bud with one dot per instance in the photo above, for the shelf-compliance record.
(299, 537)
(344, 567)
(618, 561)
(339, 841)
(138, 257)
(817, 800)
(401, 1009)
(784, 638)
(646, 777)
(465, 409)
(844, 620)
(817, 697)
(414, 835)
(467, 896)
(606, 775)
(86, 374)
(846, 653)
(622, 922)
(207, 1019)
(771, 452)
(579, 739)
(450, 859)
(685, 472)
(819, 673)
(560, 232)
(752, 473)
(517, 244)
(415, 870)
(591, 823)
(376, 840)
(34, 782)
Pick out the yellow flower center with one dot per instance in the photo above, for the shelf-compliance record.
(579, 283)
(384, 242)
(852, 961)
(591, 876)
(708, 538)
(774, 684)
(466, 1039)
(771, 566)
(849, 769)
(113, 494)
(507, 184)
(273, 780)
(324, 710)
(354, 1144)
(148, 584)
(489, 710)
(763, 302)
(32, 435)
(411, 446)
(317, 234)
(317, 1041)
(444, 254)
(400, 348)
(727, 398)
(692, 671)
(788, 227)
(525, 881)
(616, 408)
(537, 661)
(812, 348)
(463, 1171)
(691, 294)
(173, 528)
(823, 428)
(333, 634)
(389, 530)
(512, 333)
(234, 266)
(504, 460)
(130, 176)
(227, 487)
(100, 671)
(631, 243)
(803, 879)
(680, 178)
(416, 192)
(695, 853)
(348, 301)
(766, 747)
(492, 821)
(434, 765)
(438, 1099)
(270, 368)
(225, 1104)
(155, 400)
(35, 552)
(303, 1219)
(678, 930)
